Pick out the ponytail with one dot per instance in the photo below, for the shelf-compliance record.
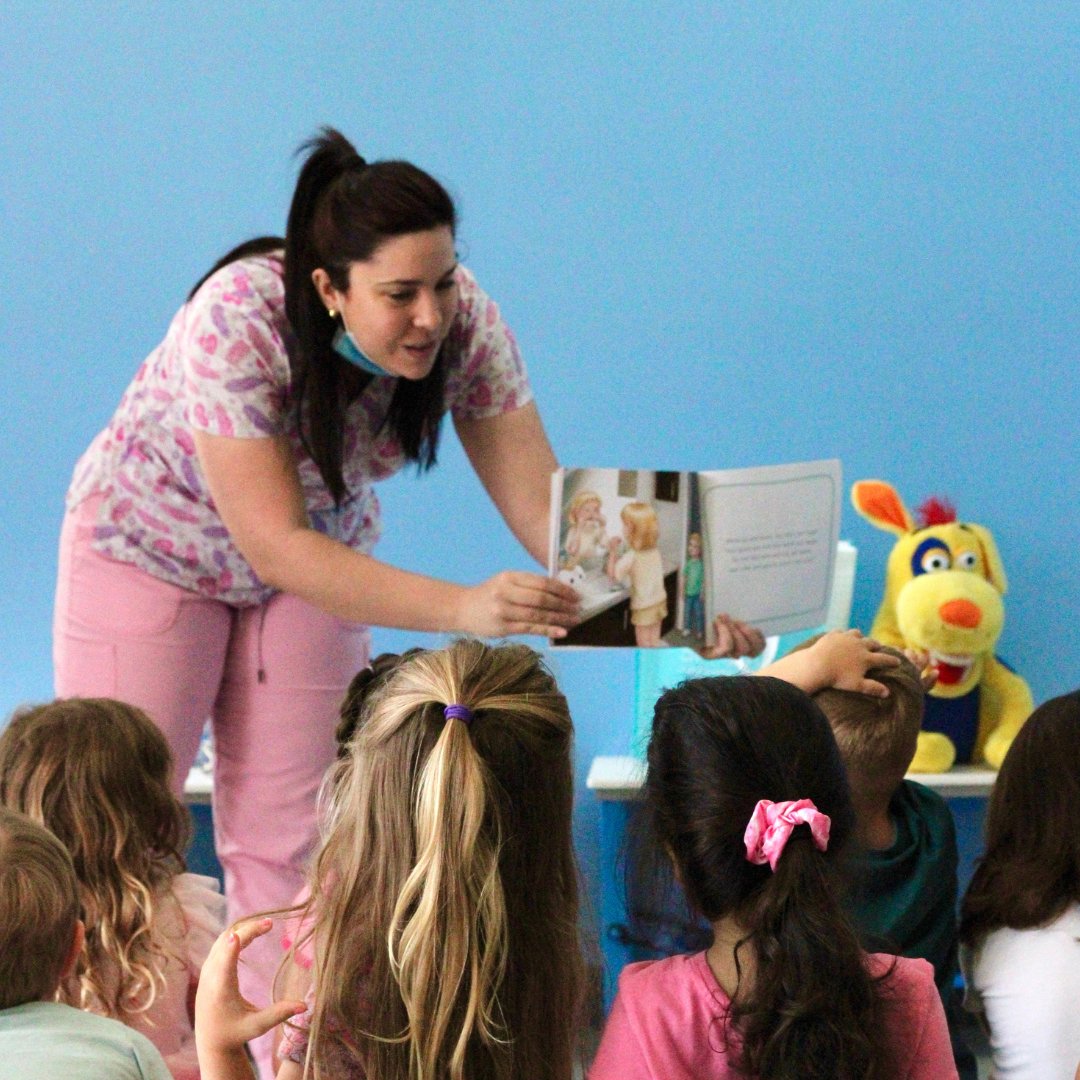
(342, 210)
(811, 1009)
(448, 934)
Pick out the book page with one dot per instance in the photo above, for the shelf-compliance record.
(769, 538)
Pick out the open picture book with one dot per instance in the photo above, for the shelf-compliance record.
(657, 555)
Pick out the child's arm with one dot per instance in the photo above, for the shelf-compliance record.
(224, 1020)
(613, 569)
(840, 659)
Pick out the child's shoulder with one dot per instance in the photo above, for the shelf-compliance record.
(905, 978)
(200, 914)
(47, 1038)
(670, 983)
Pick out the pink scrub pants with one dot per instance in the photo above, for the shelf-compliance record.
(271, 680)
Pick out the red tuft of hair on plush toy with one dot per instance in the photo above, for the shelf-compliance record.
(936, 511)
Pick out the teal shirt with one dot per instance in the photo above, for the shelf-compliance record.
(43, 1040)
(904, 899)
(693, 571)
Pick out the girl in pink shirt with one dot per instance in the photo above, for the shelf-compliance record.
(747, 795)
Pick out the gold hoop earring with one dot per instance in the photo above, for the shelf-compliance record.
(332, 312)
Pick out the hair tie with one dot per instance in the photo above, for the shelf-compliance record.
(771, 824)
(458, 712)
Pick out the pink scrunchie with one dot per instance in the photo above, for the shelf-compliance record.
(771, 824)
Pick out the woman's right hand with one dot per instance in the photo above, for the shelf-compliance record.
(518, 602)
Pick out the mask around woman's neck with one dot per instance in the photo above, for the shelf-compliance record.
(345, 346)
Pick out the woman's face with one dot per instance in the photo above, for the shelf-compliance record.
(401, 301)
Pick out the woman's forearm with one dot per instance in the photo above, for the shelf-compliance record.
(359, 588)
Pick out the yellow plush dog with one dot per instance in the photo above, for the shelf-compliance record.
(943, 589)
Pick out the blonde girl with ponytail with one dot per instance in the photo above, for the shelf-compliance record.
(444, 898)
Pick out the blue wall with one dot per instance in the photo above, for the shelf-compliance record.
(725, 235)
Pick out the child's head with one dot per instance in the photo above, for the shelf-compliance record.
(445, 894)
(363, 684)
(718, 747)
(640, 526)
(876, 735)
(95, 772)
(1030, 872)
(39, 909)
(584, 506)
(693, 545)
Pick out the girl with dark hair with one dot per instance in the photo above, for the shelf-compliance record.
(1020, 917)
(747, 795)
(216, 556)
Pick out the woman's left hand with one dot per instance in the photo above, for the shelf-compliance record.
(224, 1019)
(733, 639)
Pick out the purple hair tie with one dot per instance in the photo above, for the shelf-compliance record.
(458, 712)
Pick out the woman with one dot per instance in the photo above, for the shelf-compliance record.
(216, 552)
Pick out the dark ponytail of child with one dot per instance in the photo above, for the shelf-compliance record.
(806, 1007)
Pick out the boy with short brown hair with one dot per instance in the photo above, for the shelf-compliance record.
(41, 937)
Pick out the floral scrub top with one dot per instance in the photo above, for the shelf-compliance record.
(223, 369)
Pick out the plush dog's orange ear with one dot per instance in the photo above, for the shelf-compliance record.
(879, 503)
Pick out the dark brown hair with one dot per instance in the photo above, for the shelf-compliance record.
(1030, 872)
(96, 773)
(809, 1008)
(342, 210)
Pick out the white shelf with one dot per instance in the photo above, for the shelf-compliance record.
(198, 787)
(619, 779)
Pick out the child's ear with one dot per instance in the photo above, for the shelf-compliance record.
(78, 939)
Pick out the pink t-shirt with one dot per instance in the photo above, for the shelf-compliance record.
(223, 369)
(666, 1023)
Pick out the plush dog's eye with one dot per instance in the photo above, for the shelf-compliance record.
(967, 560)
(930, 556)
(935, 559)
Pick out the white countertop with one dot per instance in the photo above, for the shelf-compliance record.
(198, 786)
(619, 779)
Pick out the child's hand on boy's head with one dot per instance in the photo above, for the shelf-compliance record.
(224, 1019)
(838, 659)
(845, 656)
(733, 639)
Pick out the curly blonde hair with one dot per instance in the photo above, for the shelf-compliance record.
(95, 772)
(444, 903)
